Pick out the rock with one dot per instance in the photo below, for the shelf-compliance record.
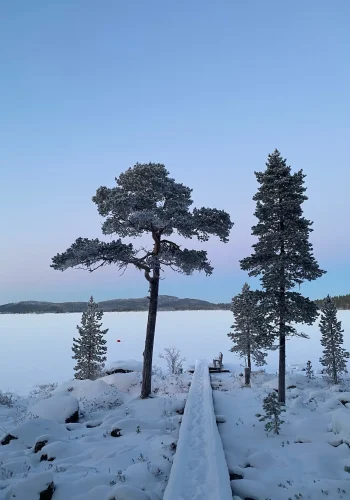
(7, 439)
(39, 445)
(116, 433)
(93, 423)
(336, 442)
(234, 476)
(48, 492)
(117, 370)
(62, 408)
(44, 458)
(220, 419)
(74, 418)
(35, 486)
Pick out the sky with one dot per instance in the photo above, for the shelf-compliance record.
(89, 88)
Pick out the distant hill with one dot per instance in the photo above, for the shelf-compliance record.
(166, 303)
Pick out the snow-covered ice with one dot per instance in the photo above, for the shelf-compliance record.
(199, 470)
(37, 347)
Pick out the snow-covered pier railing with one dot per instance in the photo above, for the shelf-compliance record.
(199, 471)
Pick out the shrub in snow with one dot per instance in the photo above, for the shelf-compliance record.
(283, 255)
(43, 390)
(273, 410)
(250, 334)
(6, 399)
(173, 359)
(309, 370)
(334, 357)
(90, 348)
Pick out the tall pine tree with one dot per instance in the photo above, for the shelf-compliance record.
(90, 347)
(283, 255)
(250, 332)
(334, 355)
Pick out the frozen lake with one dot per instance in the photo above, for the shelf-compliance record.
(37, 348)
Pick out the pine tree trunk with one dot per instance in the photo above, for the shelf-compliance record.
(249, 357)
(282, 331)
(334, 365)
(151, 327)
(282, 366)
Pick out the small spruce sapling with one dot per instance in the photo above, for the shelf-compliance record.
(334, 357)
(273, 410)
(90, 347)
(251, 335)
(309, 370)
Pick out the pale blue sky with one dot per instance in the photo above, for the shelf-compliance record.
(88, 88)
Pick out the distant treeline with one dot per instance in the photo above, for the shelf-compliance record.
(166, 303)
(341, 301)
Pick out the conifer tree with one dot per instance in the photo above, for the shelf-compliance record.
(273, 410)
(90, 347)
(146, 201)
(282, 256)
(250, 332)
(309, 370)
(334, 357)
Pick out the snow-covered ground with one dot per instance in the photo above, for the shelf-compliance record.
(36, 349)
(121, 448)
(307, 460)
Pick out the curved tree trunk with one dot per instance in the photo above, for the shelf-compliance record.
(151, 327)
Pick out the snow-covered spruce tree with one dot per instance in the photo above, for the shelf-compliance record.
(90, 347)
(251, 335)
(334, 357)
(146, 201)
(273, 409)
(283, 255)
(309, 370)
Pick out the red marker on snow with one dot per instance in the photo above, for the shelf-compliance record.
(118, 340)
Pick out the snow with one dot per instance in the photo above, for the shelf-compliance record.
(40, 344)
(199, 470)
(87, 460)
(307, 460)
(130, 364)
(57, 408)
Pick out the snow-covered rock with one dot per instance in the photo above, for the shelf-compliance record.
(59, 408)
(28, 433)
(130, 365)
(341, 424)
(31, 487)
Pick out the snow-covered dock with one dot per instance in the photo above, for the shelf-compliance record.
(199, 471)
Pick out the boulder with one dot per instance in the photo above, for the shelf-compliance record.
(62, 408)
